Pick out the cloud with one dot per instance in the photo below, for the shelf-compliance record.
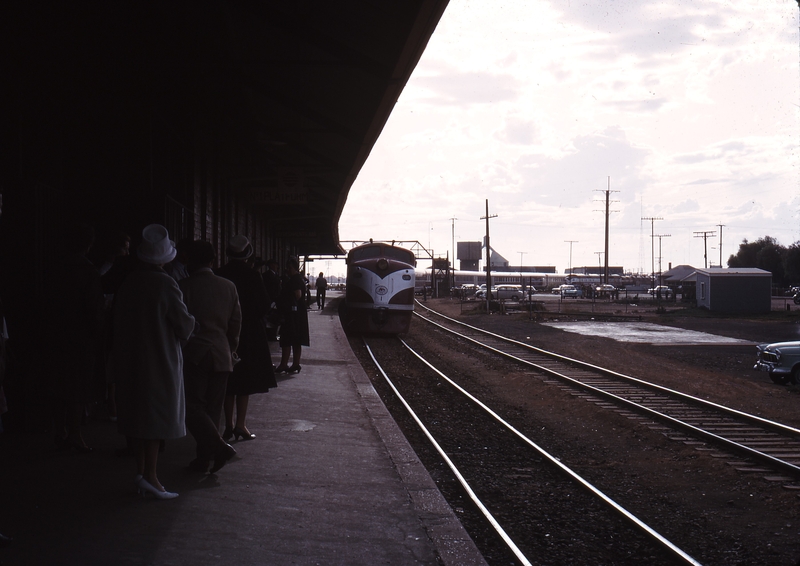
(636, 106)
(518, 132)
(573, 178)
(686, 206)
(465, 88)
(689, 107)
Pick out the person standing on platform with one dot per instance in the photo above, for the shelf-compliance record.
(294, 331)
(322, 287)
(209, 354)
(74, 308)
(254, 373)
(150, 324)
(272, 282)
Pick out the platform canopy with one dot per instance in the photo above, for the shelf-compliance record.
(283, 100)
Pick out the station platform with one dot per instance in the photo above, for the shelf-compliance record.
(328, 480)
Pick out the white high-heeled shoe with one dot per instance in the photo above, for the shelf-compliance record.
(145, 487)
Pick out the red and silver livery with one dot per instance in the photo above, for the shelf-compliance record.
(380, 289)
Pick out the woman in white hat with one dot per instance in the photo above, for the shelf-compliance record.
(150, 323)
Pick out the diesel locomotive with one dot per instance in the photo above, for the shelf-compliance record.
(379, 297)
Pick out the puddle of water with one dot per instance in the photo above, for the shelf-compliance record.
(643, 332)
(299, 426)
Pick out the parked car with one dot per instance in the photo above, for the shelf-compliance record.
(513, 292)
(605, 289)
(666, 292)
(481, 292)
(780, 360)
(568, 291)
(504, 292)
(466, 290)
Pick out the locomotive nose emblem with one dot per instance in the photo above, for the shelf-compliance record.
(381, 290)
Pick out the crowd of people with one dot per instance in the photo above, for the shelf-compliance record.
(166, 342)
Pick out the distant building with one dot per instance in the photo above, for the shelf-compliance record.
(612, 270)
(674, 275)
(498, 261)
(469, 255)
(742, 290)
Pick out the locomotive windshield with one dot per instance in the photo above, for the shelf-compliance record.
(390, 252)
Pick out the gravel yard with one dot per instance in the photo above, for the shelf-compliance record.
(702, 503)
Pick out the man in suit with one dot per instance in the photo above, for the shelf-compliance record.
(209, 354)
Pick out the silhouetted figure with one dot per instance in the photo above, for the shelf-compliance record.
(254, 373)
(73, 319)
(208, 356)
(322, 286)
(294, 331)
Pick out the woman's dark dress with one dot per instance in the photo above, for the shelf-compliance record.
(294, 330)
(254, 373)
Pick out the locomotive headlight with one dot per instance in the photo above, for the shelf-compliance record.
(406, 277)
(383, 264)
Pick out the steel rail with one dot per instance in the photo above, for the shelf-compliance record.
(464, 483)
(685, 426)
(630, 517)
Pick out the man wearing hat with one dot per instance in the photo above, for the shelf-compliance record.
(254, 373)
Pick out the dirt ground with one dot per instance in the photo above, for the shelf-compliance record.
(720, 373)
(702, 503)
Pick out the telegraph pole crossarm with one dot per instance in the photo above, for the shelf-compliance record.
(705, 234)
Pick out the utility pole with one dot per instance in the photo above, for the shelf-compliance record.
(599, 267)
(570, 242)
(488, 257)
(705, 236)
(652, 219)
(608, 192)
(659, 236)
(453, 243)
(520, 261)
(720, 243)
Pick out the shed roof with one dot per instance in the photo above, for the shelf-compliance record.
(678, 273)
(735, 272)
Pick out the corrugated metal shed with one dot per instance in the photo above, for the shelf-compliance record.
(735, 290)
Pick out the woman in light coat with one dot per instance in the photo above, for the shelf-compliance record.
(150, 324)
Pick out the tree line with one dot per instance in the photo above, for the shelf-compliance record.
(767, 254)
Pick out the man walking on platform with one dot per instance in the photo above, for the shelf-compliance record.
(209, 354)
(322, 286)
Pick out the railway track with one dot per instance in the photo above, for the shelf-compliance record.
(764, 446)
(564, 519)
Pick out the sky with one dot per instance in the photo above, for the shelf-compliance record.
(687, 110)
